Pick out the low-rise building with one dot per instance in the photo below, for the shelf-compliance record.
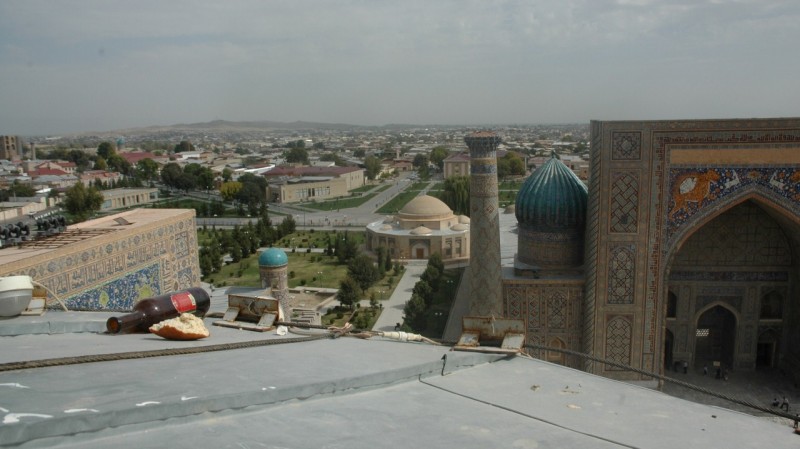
(296, 184)
(125, 198)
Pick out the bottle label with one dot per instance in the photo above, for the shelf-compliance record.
(183, 302)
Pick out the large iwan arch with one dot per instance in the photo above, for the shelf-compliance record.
(707, 214)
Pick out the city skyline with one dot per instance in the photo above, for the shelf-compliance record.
(91, 65)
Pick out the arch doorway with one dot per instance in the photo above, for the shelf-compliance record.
(731, 279)
(715, 340)
(767, 349)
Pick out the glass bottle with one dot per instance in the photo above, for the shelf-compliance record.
(153, 310)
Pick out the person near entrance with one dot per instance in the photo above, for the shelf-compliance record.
(685, 367)
(785, 404)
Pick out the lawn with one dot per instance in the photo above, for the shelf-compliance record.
(510, 185)
(311, 269)
(418, 186)
(341, 203)
(397, 203)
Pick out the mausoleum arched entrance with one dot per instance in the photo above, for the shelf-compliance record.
(732, 287)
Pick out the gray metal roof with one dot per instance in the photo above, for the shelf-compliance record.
(344, 392)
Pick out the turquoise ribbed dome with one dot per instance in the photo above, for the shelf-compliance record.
(273, 257)
(552, 198)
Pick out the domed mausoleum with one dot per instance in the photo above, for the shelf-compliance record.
(551, 212)
(273, 264)
(423, 227)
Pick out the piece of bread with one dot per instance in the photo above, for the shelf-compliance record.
(185, 327)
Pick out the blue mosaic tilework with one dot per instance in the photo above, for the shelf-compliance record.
(693, 190)
(119, 294)
(730, 276)
(483, 169)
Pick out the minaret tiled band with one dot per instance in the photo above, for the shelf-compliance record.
(485, 275)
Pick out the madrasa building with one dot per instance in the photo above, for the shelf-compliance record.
(683, 247)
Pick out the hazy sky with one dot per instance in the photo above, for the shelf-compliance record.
(81, 65)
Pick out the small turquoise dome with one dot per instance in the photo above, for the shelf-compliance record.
(273, 257)
(552, 198)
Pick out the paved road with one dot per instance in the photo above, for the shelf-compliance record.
(393, 307)
(307, 218)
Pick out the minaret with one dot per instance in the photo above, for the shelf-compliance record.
(486, 296)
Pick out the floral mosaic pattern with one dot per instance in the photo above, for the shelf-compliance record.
(121, 293)
(692, 190)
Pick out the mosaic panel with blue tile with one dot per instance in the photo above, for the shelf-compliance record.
(121, 293)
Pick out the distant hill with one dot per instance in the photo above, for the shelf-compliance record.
(229, 126)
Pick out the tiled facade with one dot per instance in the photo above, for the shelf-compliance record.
(112, 262)
(687, 217)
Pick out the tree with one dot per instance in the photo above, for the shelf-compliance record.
(436, 261)
(287, 226)
(171, 174)
(300, 143)
(349, 292)
(204, 177)
(387, 262)
(359, 152)
(510, 165)
(227, 174)
(414, 313)
(420, 160)
(228, 190)
(119, 164)
(186, 182)
(430, 275)
(18, 189)
(184, 146)
(425, 291)
(380, 256)
(333, 157)
(147, 169)
(235, 251)
(455, 193)
(438, 155)
(105, 150)
(206, 261)
(362, 269)
(80, 158)
(251, 197)
(100, 163)
(319, 145)
(373, 167)
(81, 202)
(297, 155)
(345, 247)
